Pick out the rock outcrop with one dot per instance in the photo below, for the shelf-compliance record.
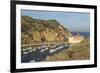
(37, 30)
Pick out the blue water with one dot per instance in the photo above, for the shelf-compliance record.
(85, 34)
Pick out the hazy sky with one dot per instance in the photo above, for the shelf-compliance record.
(75, 22)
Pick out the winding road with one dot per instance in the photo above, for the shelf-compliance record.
(41, 54)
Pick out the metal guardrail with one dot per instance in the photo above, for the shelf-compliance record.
(45, 43)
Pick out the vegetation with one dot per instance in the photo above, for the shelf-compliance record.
(79, 51)
(38, 30)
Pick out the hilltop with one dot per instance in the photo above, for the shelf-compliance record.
(39, 30)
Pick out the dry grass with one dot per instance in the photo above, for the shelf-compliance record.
(79, 51)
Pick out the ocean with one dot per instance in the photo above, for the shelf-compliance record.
(85, 34)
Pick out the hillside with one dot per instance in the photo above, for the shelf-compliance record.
(80, 51)
(38, 30)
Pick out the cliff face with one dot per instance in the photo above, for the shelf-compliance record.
(37, 30)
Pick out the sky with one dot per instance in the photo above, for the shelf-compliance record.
(73, 21)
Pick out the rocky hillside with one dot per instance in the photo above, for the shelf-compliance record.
(38, 30)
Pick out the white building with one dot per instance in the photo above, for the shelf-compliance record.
(76, 39)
